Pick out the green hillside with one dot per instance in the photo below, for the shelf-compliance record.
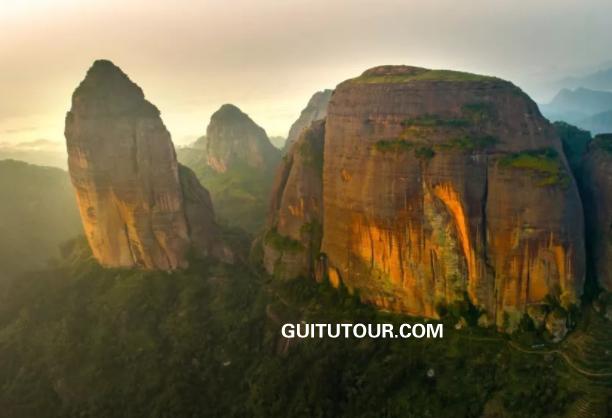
(38, 212)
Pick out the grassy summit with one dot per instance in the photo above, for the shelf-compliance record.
(405, 74)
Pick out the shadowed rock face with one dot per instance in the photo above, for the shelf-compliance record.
(123, 167)
(316, 109)
(296, 209)
(597, 191)
(440, 186)
(232, 139)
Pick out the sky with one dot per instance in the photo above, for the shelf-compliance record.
(269, 56)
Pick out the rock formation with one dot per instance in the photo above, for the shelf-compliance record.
(441, 186)
(316, 109)
(294, 230)
(597, 193)
(137, 207)
(233, 139)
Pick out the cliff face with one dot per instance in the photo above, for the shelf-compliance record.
(294, 231)
(316, 109)
(124, 170)
(232, 139)
(441, 186)
(597, 192)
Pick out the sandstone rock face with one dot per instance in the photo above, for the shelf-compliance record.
(597, 192)
(316, 109)
(440, 186)
(294, 231)
(232, 138)
(124, 170)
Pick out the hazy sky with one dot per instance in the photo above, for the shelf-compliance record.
(269, 56)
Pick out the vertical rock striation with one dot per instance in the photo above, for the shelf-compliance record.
(440, 188)
(316, 109)
(439, 185)
(294, 226)
(597, 192)
(124, 170)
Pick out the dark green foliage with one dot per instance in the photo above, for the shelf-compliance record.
(545, 163)
(421, 151)
(424, 152)
(82, 341)
(434, 121)
(470, 143)
(575, 142)
(281, 242)
(604, 142)
(240, 195)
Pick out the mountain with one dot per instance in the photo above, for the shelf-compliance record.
(293, 239)
(38, 152)
(138, 207)
(235, 141)
(316, 109)
(38, 214)
(599, 123)
(597, 185)
(599, 80)
(573, 106)
(236, 161)
(438, 188)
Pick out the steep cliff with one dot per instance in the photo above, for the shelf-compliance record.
(441, 188)
(316, 109)
(235, 161)
(597, 193)
(294, 229)
(439, 184)
(124, 170)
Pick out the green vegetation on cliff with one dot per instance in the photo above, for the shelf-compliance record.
(420, 74)
(545, 163)
(240, 195)
(83, 341)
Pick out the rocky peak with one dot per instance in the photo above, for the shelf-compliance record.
(442, 188)
(123, 167)
(233, 139)
(316, 109)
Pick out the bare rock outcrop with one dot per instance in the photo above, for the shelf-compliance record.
(442, 187)
(316, 109)
(233, 139)
(294, 228)
(137, 209)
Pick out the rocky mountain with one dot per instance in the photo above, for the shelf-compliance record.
(138, 208)
(236, 161)
(234, 140)
(316, 109)
(597, 192)
(293, 238)
(38, 213)
(441, 188)
(574, 106)
(599, 123)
